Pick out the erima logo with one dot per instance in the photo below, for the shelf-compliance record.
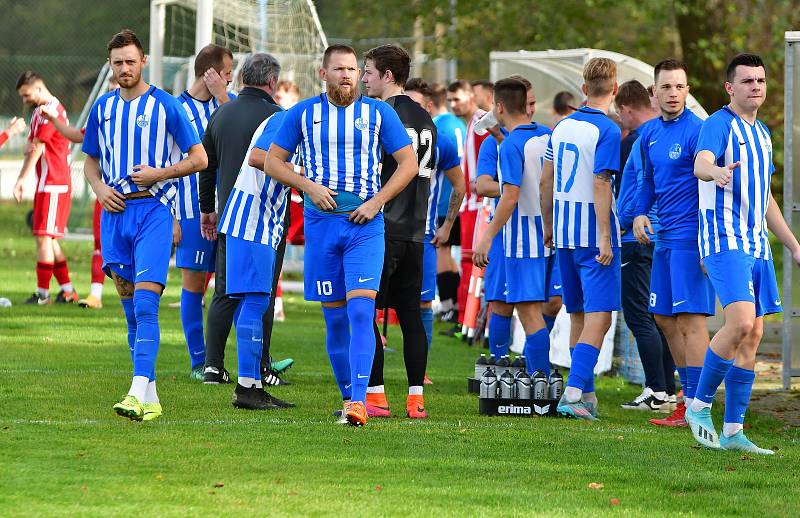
(360, 124)
(143, 121)
(675, 151)
(513, 409)
(542, 410)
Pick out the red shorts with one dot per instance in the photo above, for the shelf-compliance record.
(98, 210)
(51, 210)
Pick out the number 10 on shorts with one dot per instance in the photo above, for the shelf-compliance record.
(324, 288)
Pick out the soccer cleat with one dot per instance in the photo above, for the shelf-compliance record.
(91, 302)
(703, 427)
(271, 379)
(39, 299)
(151, 411)
(67, 297)
(129, 407)
(427, 380)
(377, 405)
(213, 376)
(252, 398)
(281, 403)
(280, 366)
(676, 419)
(670, 404)
(592, 408)
(415, 407)
(341, 415)
(356, 413)
(578, 410)
(453, 331)
(738, 442)
(645, 401)
(197, 373)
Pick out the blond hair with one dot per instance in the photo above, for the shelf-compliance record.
(600, 76)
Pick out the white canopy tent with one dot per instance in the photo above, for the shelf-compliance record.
(553, 71)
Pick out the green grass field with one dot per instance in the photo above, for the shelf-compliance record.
(64, 452)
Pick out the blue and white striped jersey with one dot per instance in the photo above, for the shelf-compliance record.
(521, 157)
(446, 159)
(151, 129)
(199, 113)
(257, 204)
(734, 217)
(583, 144)
(341, 146)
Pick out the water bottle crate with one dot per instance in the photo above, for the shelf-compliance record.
(473, 386)
(517, 407)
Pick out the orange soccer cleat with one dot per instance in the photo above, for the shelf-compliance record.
(415, 407)
(356, 413)
(377, 405)
(675, 420)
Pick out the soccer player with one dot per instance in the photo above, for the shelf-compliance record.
(386, 70)
(287, 94)
(95, 298)
(253, 222)
(462, 102)
(447, 277)
(734, 165)
(341, 134)
(633, 106)
(681, 295)
(518, 215)
(48, 155)
(195, 256)
(14, 127)
(437, 229)
(580, 218)
(484, 94)
(563, 105)
(134, 139)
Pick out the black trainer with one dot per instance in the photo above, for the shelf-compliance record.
(213, 376)
(252, 398)
(268, 377)
(39, 299)
(279, 402)
(647, 400)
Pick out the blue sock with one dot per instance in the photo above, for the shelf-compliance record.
(715, 368)
(682, 376)
(148, 334)
(361, 313)
(692, 377)
(589, 387)
(427, 323)
(192, 321)
(337, 341)
(738, 386)
(537, 352)
(250, 334)
(581, 375)
(549, 322)
(499, 335)
(130, 318)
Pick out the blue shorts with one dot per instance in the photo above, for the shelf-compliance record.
(495, 276)
(587, 285)
(740, 277)
(554, 277)
(678, 283)
(194, 251)
(428, 291)
(341, 256)
(137, 242)
(249, 266)
(526, 279)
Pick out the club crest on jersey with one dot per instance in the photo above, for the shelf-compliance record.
(361, 124)
(675, 151)
(143, 121)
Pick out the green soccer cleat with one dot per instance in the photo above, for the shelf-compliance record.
(578, 410)
(280, 366)
(703, 427)
(738, 442)
(197, 373)
(151, 411)
(129, 407)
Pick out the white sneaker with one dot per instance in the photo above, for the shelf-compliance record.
(647, 400)
(670, 404)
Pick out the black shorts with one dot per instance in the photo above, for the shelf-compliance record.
(401, 281)
(455, 233)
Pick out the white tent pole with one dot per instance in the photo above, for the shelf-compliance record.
(205, 24)
(157, 28)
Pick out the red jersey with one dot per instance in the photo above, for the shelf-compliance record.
(53, 166)
(469, 162)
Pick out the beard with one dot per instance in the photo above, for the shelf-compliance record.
(341, 97)
(129, 81)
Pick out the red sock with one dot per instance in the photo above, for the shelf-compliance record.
(43, 273)
(98, 276)
(61, 272)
